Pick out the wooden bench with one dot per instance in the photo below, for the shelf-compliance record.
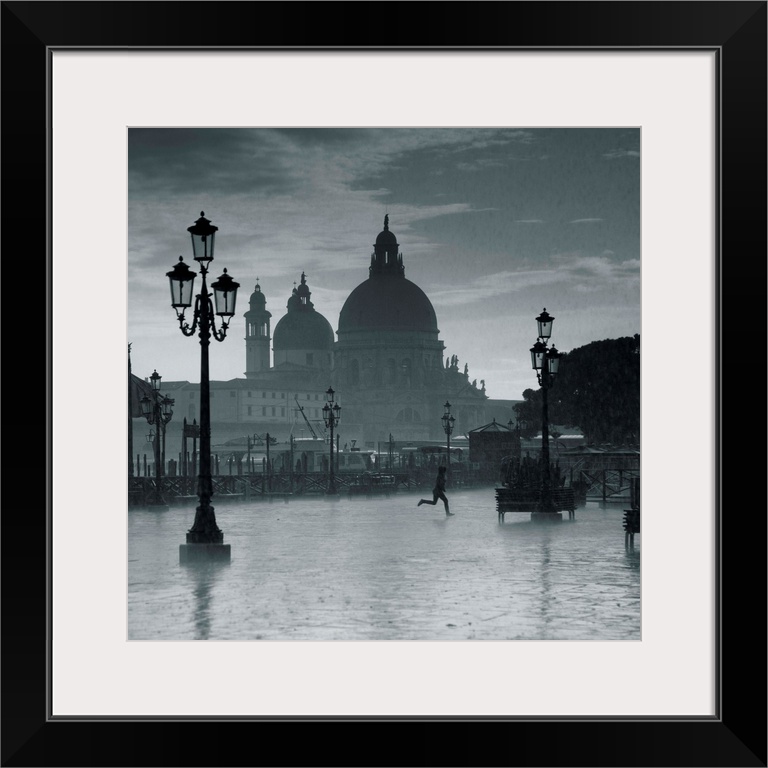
(528, 499)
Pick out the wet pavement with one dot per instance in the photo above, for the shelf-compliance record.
(319, 568)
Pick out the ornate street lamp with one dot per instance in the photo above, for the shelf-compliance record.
(331, 415)
(448, 421)
(157, 410)
(204, 537)
(545, 362)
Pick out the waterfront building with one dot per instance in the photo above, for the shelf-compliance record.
(387, 367)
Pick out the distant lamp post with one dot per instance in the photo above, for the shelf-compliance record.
(204, 538)
(252, 441)
(331, 415)
(545, 361)
(166, 408)
(157, 410)
(515, 432)
(448, 421)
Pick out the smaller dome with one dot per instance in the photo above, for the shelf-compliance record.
(385, 237)
(303, 330)
(257, 300)
(302, 327)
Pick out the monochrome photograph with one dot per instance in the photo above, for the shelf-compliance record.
(384, 384)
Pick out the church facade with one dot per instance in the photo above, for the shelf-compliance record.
(386, 366)
(388, 358)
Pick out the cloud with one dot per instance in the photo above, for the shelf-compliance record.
(582, 274)
(585, 221)
(480, 164)
(614, 154)
(529, 221)
(487, 287)
(592, 272)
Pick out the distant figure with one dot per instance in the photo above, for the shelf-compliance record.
(438, 492)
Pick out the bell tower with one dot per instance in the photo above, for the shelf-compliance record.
(257, 334)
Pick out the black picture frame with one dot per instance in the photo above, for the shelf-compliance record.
(736, 736)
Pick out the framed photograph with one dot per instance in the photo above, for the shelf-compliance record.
(688, 79)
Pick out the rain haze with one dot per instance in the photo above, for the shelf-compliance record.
(494, 225)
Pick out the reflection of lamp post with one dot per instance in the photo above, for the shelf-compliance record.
(545, 362)
(157, 410)
(448, 421)
(331, 415)
(204, 530)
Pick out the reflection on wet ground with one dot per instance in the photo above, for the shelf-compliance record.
(383, 569)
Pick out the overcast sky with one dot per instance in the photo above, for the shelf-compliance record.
(494, 225)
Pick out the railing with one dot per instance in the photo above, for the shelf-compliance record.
(176, 490)
(609, 485)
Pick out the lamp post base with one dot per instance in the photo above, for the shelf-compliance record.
(195, 553)
(546, 517)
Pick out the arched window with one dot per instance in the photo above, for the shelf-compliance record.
(408, 416)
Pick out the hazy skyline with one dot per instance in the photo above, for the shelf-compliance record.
(494, 225)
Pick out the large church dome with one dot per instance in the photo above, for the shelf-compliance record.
(387, 301)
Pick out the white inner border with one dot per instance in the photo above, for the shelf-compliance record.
(670, 96)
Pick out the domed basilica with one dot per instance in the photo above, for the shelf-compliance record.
(386, 367)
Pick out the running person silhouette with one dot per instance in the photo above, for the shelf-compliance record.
(438, 492)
